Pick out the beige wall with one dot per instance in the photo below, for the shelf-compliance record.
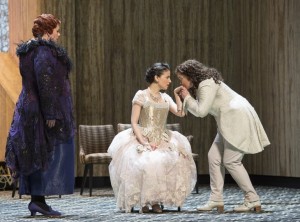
(10, 86)
(21, 16)
(255, 44)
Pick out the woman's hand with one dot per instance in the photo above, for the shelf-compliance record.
(177, 90)
(153, 146)
(50, 123)
(184, 92)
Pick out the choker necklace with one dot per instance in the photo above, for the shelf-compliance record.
(154, 98)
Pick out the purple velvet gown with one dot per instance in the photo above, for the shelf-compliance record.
(41, 157)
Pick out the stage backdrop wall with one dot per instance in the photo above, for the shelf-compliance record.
(255, 44)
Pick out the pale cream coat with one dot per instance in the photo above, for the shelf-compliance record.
(236, 119)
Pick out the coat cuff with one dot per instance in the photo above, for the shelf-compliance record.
(184, 105)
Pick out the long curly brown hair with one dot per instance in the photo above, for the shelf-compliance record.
(196, 72)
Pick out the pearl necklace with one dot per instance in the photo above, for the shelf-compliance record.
(154, 98)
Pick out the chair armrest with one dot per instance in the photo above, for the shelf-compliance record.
(82, 156)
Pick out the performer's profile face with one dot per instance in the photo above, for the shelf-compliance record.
(55, 34)
(184, 80)
(164, 80)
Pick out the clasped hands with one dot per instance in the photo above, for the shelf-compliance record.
(181, 91)
(152, 145)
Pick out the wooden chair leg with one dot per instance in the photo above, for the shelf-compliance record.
(86, 168)
(14, 186)
(91, 179)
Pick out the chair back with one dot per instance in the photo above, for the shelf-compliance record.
(95, 138)
(174, 127)
(123, 126)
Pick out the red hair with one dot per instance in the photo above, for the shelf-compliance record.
(43, 24)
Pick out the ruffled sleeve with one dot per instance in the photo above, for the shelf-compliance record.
(139, 98)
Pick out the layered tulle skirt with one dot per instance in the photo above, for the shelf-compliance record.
(141, 177)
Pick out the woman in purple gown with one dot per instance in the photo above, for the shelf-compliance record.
(40, 147)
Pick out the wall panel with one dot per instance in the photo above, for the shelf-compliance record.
(93, 88)
(10, 87)
(6, 110)
(253, 43)
(21, 16)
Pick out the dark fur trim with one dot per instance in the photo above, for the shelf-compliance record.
(58, 51)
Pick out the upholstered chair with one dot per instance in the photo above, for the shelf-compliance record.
(94, 141)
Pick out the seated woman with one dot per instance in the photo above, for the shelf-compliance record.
(150, 164)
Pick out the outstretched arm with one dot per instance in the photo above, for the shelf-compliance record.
(176, 108)
(206, 94)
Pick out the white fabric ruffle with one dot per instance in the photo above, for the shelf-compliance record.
(140, 176)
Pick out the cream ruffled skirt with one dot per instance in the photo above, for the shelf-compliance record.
(166, 175)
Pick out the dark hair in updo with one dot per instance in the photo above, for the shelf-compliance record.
(44, 23)
(156, 69)
(196, 72)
